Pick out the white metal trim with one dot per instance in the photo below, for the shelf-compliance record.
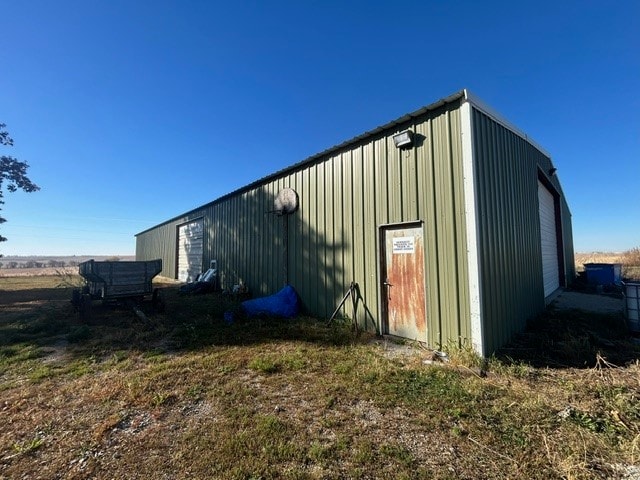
(473, 262)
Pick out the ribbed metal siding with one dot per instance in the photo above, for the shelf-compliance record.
(333, 237)
(162, 242)
(507, 169)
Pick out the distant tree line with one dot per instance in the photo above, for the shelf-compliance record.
(36, 264)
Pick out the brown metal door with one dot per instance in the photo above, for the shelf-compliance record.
(403, 282)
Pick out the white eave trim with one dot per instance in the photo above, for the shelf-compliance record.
(473, 260)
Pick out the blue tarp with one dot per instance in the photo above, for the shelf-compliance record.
(281, 304)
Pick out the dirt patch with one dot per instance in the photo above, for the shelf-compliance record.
(392, 347)
(35, 296)
(56, 353)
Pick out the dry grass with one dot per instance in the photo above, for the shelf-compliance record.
(36, 272)
(629, 259)
(185, 395)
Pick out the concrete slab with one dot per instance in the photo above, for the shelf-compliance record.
(589, 302)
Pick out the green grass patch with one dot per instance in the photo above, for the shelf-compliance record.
(265, 364)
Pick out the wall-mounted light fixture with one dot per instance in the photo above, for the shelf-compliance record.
(552, 171)
(403, 139)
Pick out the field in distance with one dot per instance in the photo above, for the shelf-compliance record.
(629, 259)
(21, 266)
(18, 266)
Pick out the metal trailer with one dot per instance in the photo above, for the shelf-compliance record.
(114, 282)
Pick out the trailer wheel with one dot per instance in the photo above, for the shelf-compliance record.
(85, 307)
(157, 300)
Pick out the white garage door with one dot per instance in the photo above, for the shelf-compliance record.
(549, 240)
(190, 249)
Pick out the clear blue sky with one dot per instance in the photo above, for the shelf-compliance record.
(131, 112)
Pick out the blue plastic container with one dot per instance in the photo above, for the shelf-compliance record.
(603, 273)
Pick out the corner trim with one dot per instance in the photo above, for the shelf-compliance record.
(470, 202)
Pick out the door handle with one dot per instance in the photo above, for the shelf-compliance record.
(387, 284)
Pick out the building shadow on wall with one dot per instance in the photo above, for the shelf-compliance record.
(256, 245)
(252, 245)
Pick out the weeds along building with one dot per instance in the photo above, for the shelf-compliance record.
(452, 222)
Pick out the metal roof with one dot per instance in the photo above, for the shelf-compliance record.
(296, 166)
(387, 126)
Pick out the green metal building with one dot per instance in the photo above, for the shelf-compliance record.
(452, 222)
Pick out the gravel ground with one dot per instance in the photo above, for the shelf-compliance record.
(589, 302)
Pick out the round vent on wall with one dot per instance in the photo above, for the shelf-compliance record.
(286, 202)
